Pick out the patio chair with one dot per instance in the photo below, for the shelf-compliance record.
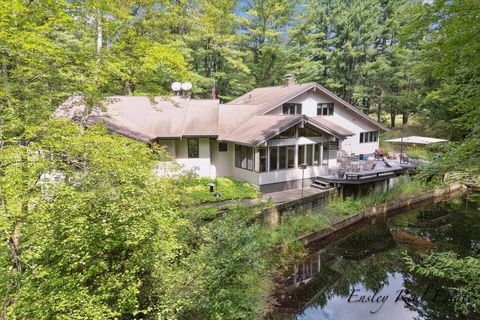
(391, 156)
(379, 154)
(346, 164)
(354, 157)
(355, 168)
(404, 158)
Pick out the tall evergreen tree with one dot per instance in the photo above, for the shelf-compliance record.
(265, 24)
(353, 49)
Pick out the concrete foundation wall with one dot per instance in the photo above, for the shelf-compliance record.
(276, 213)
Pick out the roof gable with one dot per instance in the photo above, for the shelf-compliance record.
(270, 98)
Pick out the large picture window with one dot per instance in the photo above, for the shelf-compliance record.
(301, 155)
(273, 158)
(282, 157)
(291, 157)
(317, 154)
(244, 157)
(325, 109)
(326, 154)
(193, 148)
(262, 155)
(308, 132)
(309, 156)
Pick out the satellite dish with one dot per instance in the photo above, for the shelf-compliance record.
(186, 86)
(176, 86)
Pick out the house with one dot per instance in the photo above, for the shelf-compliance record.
(261, 137)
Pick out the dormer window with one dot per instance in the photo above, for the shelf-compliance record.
(325, 109)
(292, 108)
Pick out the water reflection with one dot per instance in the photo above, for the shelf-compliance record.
(362, 276)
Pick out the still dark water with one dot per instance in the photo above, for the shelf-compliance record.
(369, 263)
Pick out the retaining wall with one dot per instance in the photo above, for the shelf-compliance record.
(388, 209)
(274, 214)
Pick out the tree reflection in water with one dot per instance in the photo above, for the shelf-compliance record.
(320, 285)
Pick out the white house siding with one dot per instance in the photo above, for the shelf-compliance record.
(246, 175)
(291, 174)
(222, 161)
(170, 146)
(342, 116)
(353, 122)
(202, 164)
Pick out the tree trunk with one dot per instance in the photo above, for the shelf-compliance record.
(99, 32)
(379, 112)
(405, 115)
(393, 115)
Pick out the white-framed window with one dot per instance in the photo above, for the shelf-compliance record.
(292, 108)
(325, 109)
(370, 136)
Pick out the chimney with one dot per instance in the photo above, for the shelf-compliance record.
(288, 79)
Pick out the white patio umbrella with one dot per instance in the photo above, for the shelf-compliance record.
(414, 140)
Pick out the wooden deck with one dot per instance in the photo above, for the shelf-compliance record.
(383, 171)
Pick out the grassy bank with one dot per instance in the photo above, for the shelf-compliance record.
(350, 205)
(234, 259)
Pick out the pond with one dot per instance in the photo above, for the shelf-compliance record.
(340, 280)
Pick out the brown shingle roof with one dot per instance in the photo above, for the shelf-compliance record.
(243, 120)
(332, 126)
(144, 119)
(259, 128)
(271, 97)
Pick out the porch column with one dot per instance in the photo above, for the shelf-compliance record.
(268, 159)
(296, 157)
(321, 154)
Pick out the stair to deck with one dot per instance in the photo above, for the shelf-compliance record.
(320, 184)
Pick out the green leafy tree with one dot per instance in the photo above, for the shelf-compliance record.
(94, 224)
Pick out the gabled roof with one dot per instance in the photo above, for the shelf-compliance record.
(332, 126)
(261, 128)
(270, 98)
(145, 118)
(244, 120)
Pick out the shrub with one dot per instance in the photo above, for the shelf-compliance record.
(228, 188)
